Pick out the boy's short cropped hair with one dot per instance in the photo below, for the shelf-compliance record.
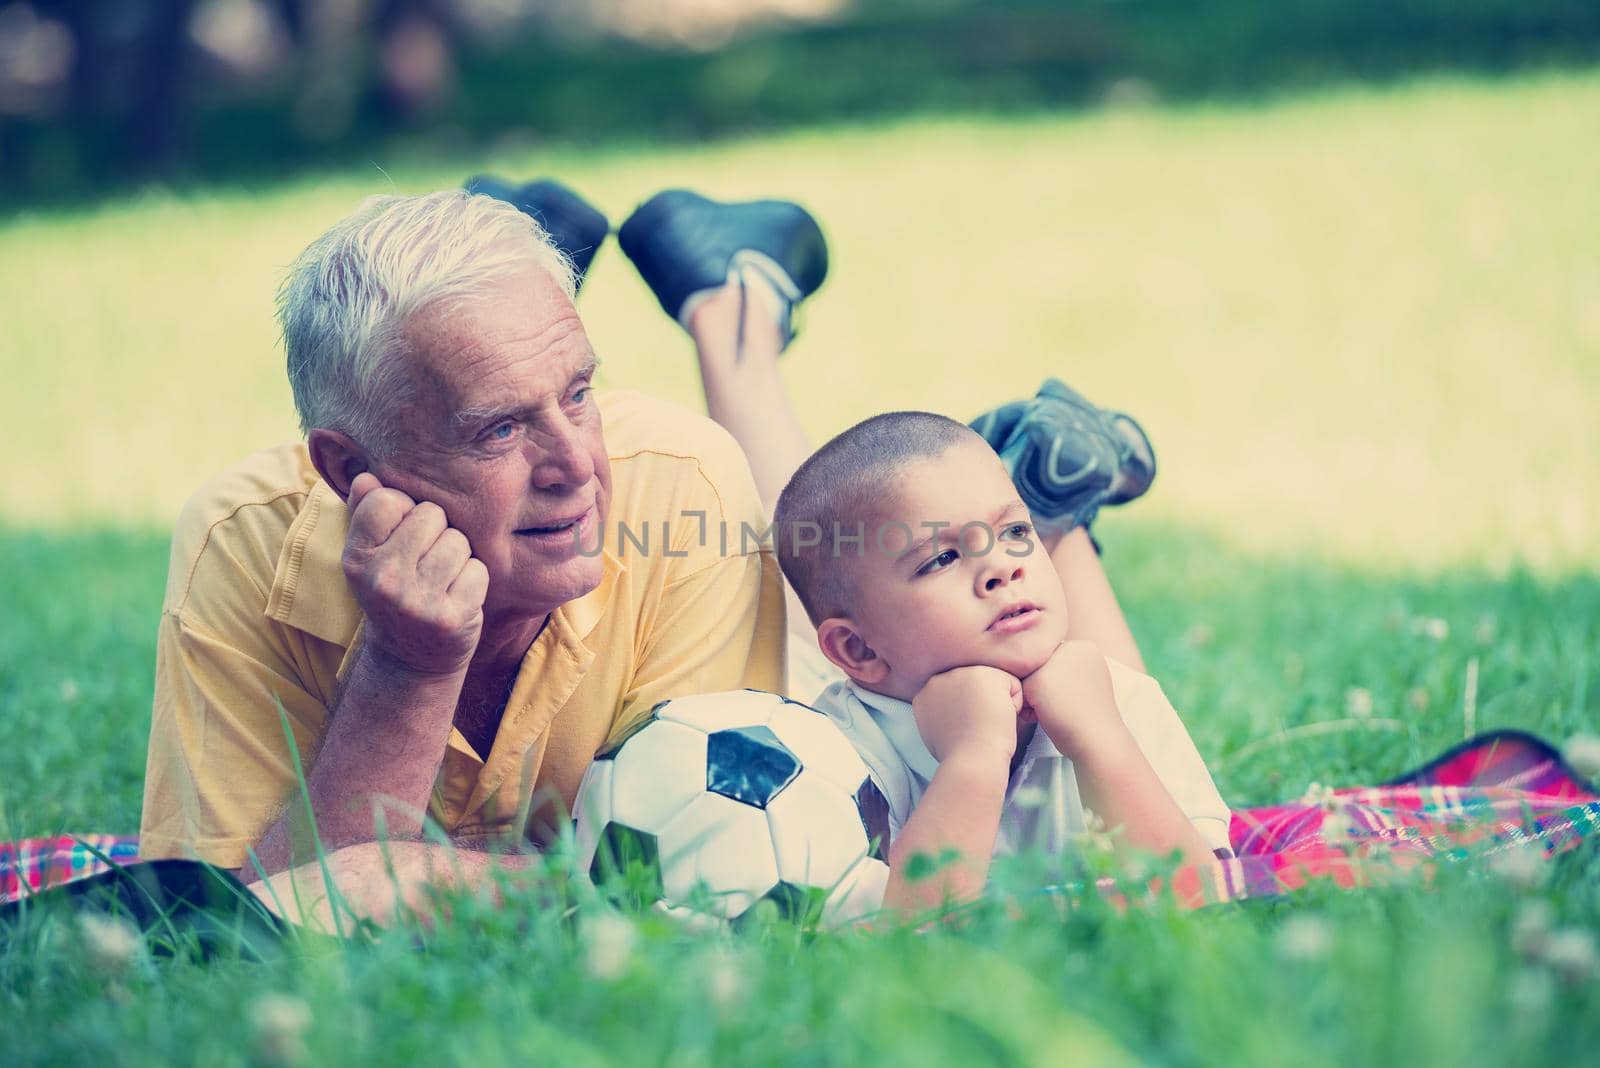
(840, 492)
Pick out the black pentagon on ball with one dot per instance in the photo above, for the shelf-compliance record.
(749, 764)
(874, 809)
(627, 865)
(785, 901)
(609, 751)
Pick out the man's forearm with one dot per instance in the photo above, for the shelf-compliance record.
(380, 881)
(382, 753)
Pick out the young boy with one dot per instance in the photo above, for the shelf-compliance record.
(982, 669)
(987, 728)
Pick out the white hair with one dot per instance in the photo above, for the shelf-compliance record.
(346, 300)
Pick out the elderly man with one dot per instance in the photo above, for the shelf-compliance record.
(423, 593)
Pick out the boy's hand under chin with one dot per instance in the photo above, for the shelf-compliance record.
(970, 711)
(1071, 696)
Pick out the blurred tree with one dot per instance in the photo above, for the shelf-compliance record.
(93, 92)
(130, 77)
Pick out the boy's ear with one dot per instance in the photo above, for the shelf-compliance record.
(844, 646)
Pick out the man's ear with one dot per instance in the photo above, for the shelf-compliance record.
(337, 458)
(844, 646)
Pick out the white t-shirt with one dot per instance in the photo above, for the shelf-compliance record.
(1042, 807)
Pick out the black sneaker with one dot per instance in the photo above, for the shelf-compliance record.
(576, 226)
(687, 246)
(1067, 457)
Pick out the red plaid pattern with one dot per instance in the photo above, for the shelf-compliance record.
(1496, 792)
(35, 864)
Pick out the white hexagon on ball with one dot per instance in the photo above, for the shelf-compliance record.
(721, 846)
(656, 774)
(712, 712)
(816, 832)
(858, 895)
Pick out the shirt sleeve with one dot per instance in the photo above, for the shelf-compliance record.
(719, 628)
(220, 766)
(1166, 743)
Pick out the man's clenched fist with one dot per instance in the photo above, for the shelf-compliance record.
(416, 579)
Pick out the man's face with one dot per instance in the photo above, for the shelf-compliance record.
(987, 595)
(499, 428)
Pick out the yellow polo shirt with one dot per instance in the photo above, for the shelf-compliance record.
(257, 614)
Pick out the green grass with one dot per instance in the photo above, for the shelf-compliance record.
(1364, 331)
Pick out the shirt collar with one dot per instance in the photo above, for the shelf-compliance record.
(310, 564)
(898, 721)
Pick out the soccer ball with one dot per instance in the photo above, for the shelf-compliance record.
(717, 802)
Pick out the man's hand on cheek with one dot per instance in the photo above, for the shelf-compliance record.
(415, 578)
(969, 711)
(1070, 694)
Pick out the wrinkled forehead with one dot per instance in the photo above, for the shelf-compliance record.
(505, 339)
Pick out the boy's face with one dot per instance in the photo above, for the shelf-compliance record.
(979, 591)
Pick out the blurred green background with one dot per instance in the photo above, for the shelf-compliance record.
(104, 92)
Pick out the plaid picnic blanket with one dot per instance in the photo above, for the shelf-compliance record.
(34, 864)
(1499, 791)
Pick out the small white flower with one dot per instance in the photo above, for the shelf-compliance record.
(1320, 796)
(1358, 702)
(111, 944)
(1418, 698)
(1431, 627)
(1199, 636)
(1582, 752)
(280, 1022)
(1337, 826)
(1523, 867)
(1530, 931)
(69, 690)
(1570, 953)
(608, 945)
(1304, 938)
(1095, 836)
(1486, 630)
(725, 979)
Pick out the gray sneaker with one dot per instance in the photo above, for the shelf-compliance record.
(1067, 457)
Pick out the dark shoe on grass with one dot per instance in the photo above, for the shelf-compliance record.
(686, 245)
(1067, 457)
(577, 227)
